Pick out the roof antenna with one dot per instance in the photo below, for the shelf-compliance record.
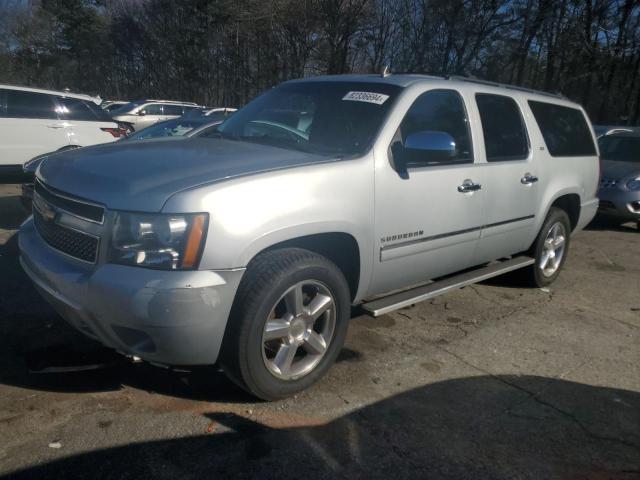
(386, 71)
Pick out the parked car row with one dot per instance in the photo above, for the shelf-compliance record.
(258, 233)
(143, 113)
(193, 125)
(248, 246)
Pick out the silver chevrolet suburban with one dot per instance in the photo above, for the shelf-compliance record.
(248, 246)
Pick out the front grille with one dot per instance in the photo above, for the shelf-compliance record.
(75, 206)
(73, 243)
(608, 182)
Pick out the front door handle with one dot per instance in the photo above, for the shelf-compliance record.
(468, 186)
(56, 125)
(528, 179)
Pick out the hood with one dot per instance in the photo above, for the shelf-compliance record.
(141, 176)
(619, 170)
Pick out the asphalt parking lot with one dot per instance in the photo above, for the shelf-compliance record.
(492, 381)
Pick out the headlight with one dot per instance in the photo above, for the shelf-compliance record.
(162, 241)
(634, 184)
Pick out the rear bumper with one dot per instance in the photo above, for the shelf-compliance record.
(167, 317)
(588, 210)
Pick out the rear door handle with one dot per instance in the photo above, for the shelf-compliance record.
(56, 125)
(468, 186)
(528, 179)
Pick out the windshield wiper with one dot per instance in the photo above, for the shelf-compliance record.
(274, 142)
(224, 135)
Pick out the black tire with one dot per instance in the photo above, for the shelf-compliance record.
(533, 275)
(266, 280)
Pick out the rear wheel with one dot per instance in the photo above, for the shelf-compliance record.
(288, 323)
(550, 249)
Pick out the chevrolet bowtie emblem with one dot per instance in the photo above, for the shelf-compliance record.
(46, 210)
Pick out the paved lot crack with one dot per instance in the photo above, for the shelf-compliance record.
(536, 398)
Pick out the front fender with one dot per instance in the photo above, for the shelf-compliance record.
(249, 214)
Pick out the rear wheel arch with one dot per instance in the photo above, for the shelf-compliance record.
(570, 203)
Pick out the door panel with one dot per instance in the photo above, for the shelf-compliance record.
(21, 139)
(84, 121)
(510, 211)
(425, 226)
(512, 184)
(29, 126)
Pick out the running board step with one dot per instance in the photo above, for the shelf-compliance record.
(406, 298)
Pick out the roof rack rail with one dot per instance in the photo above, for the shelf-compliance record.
(503, 85)
(166, 101)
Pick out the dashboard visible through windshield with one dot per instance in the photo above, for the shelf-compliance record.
(334, 118)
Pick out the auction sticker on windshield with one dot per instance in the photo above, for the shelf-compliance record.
(369, 97)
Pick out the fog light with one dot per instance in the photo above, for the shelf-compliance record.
(635, 206)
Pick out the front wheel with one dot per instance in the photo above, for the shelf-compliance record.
(288, 323)
(550, 249)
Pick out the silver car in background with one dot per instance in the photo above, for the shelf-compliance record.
(619, 190)
(143, 113)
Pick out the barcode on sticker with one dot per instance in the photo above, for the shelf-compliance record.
(369, 97)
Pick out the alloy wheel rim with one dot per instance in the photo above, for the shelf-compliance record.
(299, 330)
(553, 250)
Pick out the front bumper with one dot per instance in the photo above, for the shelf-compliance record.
(167, 317)
(619, 203)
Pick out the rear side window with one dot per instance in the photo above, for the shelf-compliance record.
(76, 109)
(153, 109)
(20, 104)
(564, 129)
(172, 109)
(505, 136)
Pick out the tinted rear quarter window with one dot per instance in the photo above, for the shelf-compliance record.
(505, 136)
(172, 109)
(77, 109)
(564, 129)
(153, 109)
(21, 104)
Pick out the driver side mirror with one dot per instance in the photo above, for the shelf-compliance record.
(427, 147)
(142, 113)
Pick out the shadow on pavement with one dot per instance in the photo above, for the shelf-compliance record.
(601, 223)
(468, 428)
(12, 213)
(33, 337)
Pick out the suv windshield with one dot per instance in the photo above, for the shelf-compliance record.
(620, 148)
(170, 128)
(333, 118)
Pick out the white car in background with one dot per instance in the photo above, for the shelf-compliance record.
(35, 121)
(111, 105)
(143, 113)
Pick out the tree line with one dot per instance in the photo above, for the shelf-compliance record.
(225, 52)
